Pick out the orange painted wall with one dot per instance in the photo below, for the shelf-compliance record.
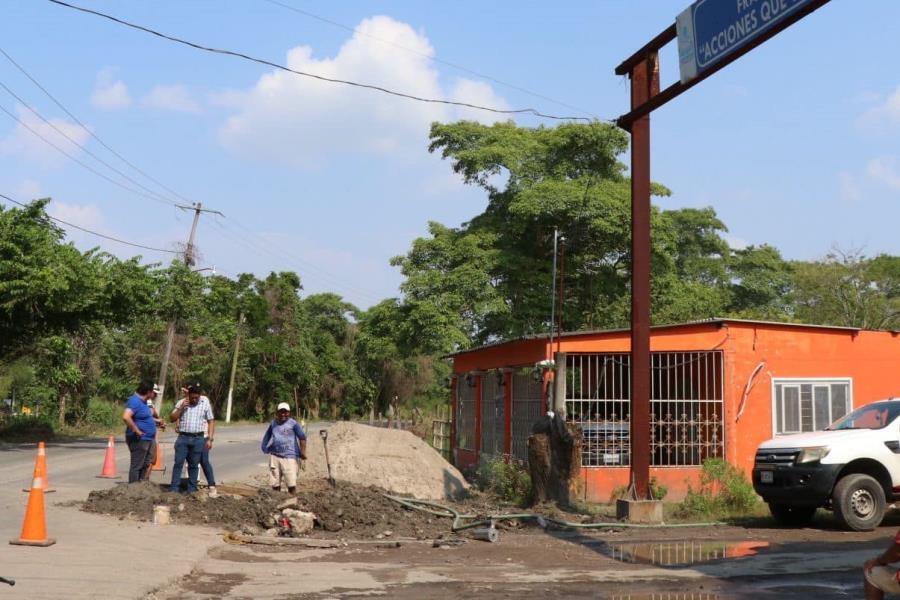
(869, 358)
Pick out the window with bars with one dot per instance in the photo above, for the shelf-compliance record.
(465, 413)
(809, 404)
(492, 419)
(527, 408)
(686, 407)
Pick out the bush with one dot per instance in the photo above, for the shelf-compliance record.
(657, 491)
(101, 413)
(508, 480)
(724, 491)
(27, 429)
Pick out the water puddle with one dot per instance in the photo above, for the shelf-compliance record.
(680, 553)
(666, 596)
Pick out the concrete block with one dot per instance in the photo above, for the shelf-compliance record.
(301, 521)
(639, 511)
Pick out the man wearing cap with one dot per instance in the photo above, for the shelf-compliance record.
(191, 417)
(160, 426)
(280, 442)
(140, 430)
(205, 464)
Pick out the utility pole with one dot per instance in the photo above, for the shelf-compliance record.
(237, 346)
(170, 333)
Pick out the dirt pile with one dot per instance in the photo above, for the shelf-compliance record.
(345, 511)
(391, 459)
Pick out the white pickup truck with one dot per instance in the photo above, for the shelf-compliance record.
(852, 468)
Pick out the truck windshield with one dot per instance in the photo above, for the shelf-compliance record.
(873, 416)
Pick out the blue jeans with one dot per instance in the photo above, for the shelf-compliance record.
(207, 467)
(188, 448)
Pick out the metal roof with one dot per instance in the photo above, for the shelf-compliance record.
(709, 321)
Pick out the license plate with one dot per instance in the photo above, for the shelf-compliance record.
(766, 477)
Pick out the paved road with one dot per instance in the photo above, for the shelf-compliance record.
(95, 556)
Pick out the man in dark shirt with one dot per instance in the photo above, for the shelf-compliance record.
(140, 430)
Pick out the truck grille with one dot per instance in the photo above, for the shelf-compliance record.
(776, 457)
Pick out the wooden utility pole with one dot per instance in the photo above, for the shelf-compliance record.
(189, 260)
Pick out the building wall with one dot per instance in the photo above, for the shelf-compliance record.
(868, 358)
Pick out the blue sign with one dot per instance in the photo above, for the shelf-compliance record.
(711, 30)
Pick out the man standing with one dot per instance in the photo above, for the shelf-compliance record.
(191, 416)
(140, 431)
(205, 465)
(161, 426)
(281, 444)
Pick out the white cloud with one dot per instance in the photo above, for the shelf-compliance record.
(734, 242)
(28, 190)
(83, 215)
(301, 121)
(171, 97)
(849, 187)
(885, 170)
(110, 93)
(23, 140)
(885, 113)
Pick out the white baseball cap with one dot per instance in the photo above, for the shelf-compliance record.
(156, 389)
(284, 406)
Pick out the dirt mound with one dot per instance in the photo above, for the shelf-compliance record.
(345, 511)
(391, 459)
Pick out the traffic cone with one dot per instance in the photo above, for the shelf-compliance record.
(158, 463)
(40, 469)
(34, 527)
(109, 463)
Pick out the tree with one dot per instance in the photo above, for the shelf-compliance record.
(850, 290)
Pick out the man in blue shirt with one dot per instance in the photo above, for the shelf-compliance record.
(140, 430)
(281, 444)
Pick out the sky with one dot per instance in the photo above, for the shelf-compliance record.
(794, 145)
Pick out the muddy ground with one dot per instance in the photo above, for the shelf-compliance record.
(345, 510)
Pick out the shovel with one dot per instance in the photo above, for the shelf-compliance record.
(324, 434)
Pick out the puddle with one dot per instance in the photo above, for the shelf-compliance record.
(680, 553)
(666, 596)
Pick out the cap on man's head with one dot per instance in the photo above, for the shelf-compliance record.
(156, 389)
(284, 406)
(194, 388)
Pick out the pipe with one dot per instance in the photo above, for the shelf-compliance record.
(429, 507)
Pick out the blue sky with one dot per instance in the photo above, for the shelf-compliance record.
(794, 145)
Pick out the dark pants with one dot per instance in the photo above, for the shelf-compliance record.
(139, 450)
(188, 448)
(151, 458)
(207, 466)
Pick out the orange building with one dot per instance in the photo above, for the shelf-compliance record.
(719, 387)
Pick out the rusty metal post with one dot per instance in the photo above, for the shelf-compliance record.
(644, 84)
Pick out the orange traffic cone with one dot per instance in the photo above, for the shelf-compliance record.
(34, 527)
(40, 469)
(109, 463)
(158, 463)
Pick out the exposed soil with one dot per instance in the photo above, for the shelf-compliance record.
(344, 511)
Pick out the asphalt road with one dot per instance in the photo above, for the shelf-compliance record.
(96, 556)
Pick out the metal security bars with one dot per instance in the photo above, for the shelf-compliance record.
(527, 404)
(465, 412)
(492, 418)
(686, 407)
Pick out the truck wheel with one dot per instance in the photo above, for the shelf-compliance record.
(792, 516)
(858, 502)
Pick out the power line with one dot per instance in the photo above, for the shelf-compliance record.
(266, 246)
(82, 146)
(72, 158)
(356, 30)
(88, 129)
(79, 227)
(268, 63)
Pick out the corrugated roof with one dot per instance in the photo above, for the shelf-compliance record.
(710, 321)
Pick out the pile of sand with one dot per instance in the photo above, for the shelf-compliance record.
(391, 459)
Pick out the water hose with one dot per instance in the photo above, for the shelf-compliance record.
(445, 511)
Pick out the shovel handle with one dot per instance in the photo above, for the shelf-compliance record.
(7, 581)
